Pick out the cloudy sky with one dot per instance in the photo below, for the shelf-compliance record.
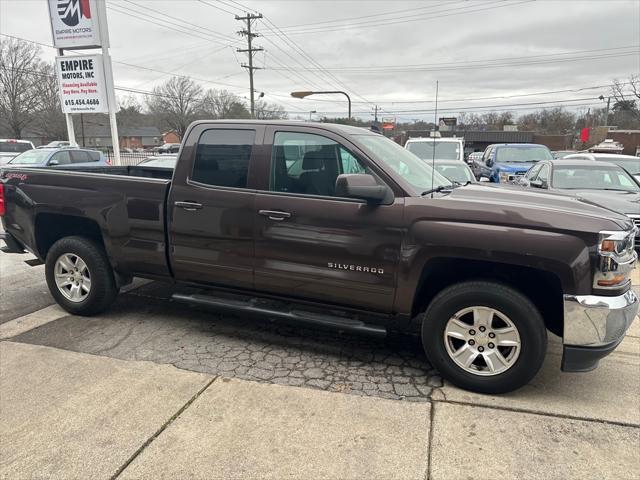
(485, 54)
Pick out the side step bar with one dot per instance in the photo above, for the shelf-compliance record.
(281, 311)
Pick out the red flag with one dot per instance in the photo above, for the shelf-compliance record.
(584, 135)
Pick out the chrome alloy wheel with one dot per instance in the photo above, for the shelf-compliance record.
(482, 341)
(72, 277)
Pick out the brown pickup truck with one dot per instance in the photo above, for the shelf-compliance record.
(338, 226)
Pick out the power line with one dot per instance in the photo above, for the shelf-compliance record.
(208, 31)
(385, 14)
(216, 6)
(499, 59)
(410, 18)
(168, 24)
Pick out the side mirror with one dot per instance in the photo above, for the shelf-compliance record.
(489, 162)
(53, 163)
(361, 185)
(538, 183)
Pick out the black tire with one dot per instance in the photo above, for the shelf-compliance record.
(520, 311)
(103, 291)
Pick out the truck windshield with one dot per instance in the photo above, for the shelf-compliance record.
(533, 153)
(31, 157)
(443, 150)
(415, 171)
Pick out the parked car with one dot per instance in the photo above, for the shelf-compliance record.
(437, 148)
(169, 148)
(506, 162)
(562, 153)
(629, 162)
(10, 148)
(161, 161)
(480, 273)
(602, 183)
(455, 170)
(58, 144)
(52, 157)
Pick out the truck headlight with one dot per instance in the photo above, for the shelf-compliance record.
(616, 259)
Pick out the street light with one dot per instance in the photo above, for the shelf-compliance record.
(311, 113)
(303, 94)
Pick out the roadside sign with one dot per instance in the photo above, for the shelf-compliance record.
(82, 84)
(76, 23)
(448, 121)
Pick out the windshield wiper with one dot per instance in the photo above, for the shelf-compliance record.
(440, 188)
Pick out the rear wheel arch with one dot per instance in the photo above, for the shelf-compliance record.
(51, 227)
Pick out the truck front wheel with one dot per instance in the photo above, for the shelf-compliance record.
(484, 336)
(79, 276)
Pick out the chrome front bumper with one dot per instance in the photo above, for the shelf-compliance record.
(593, 328)
(597, 321)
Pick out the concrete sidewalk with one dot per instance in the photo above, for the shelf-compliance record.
(74, 415)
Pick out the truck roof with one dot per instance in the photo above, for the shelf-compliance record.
(435, 139)
(334, 127)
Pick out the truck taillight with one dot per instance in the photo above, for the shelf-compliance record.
(2, 209)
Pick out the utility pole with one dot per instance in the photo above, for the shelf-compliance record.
(249, 18)
(375, 113)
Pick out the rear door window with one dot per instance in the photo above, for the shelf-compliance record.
(80, 156)
(222, 157)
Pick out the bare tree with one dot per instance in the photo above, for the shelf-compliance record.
(176, 103)
(223, 104)
(20, 82)
(269, 111)
(627, 95)
(49, 121)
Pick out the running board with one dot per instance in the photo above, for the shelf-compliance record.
(282, 311)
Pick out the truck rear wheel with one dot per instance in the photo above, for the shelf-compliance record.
(484, 336)
(79, 276)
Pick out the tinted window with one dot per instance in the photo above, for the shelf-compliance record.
(309, 164)
(80, 156)
(14, 147)
(222, 157)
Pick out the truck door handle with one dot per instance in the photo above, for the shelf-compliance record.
(189, 206)
(276, 215)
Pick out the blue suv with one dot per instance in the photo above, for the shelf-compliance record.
(506, 162)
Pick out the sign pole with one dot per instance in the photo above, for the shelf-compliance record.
(108, 73)
(111, 100)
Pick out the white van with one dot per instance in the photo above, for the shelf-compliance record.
(445, 148)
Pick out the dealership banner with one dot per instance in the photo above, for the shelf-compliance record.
(82, 84)
(75, 23)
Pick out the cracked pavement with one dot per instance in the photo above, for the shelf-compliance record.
(145, 325)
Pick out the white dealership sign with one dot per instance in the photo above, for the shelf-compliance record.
(82, 84)
(76, 23)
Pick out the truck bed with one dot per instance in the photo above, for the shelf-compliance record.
(127, 205)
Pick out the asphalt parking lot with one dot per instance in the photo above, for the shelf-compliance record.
(569, 421)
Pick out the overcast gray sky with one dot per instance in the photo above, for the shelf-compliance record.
(388, 53)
